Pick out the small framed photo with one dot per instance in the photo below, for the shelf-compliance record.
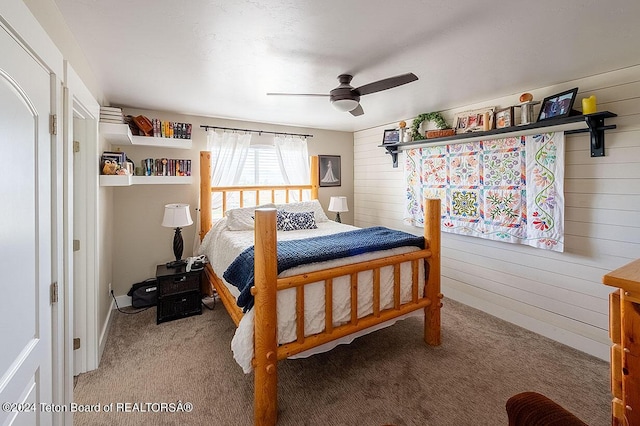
(558, 105)
(330, 170)
(504, 118)
(391, 136)
(473, 121)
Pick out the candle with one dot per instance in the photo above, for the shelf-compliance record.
(589, 105)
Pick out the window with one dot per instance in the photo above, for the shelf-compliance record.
(261, 167)
(257, 160)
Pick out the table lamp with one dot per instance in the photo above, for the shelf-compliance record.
(177, 216)
(338, 205)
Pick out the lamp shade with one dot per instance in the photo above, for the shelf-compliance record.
(344, 105)
(176, 216)
(338, 204)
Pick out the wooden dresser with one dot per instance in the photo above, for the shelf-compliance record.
(624, 331)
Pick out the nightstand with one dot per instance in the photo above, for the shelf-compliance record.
(178, 293)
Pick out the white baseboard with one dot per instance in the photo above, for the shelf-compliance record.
(105, 332)
(566, 337)
(123, 301)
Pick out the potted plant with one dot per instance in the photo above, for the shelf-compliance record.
(441, 124)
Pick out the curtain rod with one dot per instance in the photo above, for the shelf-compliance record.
(256, 131)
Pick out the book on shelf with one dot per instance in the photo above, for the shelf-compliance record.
(171, 129)
(166, 167)
(168, 129)
(111, 120)
(110, 109)
(111, 115)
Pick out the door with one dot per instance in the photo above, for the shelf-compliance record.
(25, 236)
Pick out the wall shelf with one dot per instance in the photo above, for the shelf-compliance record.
(116, 134)
(161, 142)
(119, 134)
(116, 180)
(162, 180)
(592, 123)
(128, 180)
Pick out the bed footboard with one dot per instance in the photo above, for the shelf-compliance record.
(267, 284)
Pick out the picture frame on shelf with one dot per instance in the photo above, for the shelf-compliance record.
(558, 105)
(473, 121)
(111, 162)
(504, 118)
(391, 136)
(330, 170)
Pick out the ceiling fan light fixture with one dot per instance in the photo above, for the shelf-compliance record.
(345, 105)
(346, 98)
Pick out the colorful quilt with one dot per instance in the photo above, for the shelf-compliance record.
(508, 189)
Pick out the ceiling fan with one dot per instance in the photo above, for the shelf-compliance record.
(347, 98)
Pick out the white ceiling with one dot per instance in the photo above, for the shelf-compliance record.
(220, 57)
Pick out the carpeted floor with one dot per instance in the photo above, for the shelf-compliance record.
(389, 376)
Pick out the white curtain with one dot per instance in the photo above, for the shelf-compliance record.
(228, 155)
(293, 158)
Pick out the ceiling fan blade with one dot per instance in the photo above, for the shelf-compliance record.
(297, 94)
(387, 83)
(357, 111)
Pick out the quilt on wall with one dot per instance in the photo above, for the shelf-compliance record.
(508, 189)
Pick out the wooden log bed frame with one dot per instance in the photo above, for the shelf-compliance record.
(267, 352)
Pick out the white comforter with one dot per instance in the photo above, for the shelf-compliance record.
(222, 246)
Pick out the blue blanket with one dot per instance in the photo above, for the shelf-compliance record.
(318, 249)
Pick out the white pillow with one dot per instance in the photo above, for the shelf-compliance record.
(243, 219)
(306, 206)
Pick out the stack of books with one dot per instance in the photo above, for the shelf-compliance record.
(170, 129)
(111, 115)
(166, 167)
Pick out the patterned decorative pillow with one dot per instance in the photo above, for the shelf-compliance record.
(290, 221)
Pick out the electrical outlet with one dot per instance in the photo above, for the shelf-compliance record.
(109, 289)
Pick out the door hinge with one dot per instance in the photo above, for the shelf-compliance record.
(54, 293)
(76, 146)
(53, 124)
(76, 343)
(76, 245)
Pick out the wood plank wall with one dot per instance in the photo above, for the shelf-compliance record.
(558, 295)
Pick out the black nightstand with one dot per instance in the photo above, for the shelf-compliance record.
(178, 293)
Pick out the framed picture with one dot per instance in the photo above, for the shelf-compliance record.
(504, 118)
(558, 105)
(391, 136)
(115, 160)
(473, 121)
(330, 170)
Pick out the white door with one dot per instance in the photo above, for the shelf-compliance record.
(25, 237)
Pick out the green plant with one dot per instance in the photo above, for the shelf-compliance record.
(437, 119)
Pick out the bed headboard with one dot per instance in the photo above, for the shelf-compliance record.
(206, 190)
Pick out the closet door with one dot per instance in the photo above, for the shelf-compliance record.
(25, 236)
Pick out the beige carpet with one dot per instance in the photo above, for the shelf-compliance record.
(389, 376)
